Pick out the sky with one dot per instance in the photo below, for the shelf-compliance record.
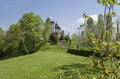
(67, 13)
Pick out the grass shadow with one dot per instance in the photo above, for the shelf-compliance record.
(8, 57)
(75, 69)
(67, 67)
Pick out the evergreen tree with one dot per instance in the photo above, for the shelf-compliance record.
(53, 38)
(47, 29)
(62, 35)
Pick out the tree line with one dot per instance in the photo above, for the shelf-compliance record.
(28, 35)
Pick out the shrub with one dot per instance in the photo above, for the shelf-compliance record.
(67, 38)
(45, 46)
(80, 52)
(62, 37)
(22, 48)
(53, 38)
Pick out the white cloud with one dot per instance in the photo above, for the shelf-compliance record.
(94, 17)
(65, 29)
(81, 20)
(70, 29)
(51, 17)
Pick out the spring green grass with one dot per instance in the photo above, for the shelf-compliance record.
(40, 65)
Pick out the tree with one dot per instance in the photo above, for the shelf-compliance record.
(67, 37)
(104, 48)
(14, 33)
(57, 30)
(1, 43)
(108, 5)
(118, 31)
(100, 26)
(32, 29)
(89, 31)
(99, 38)
(82, 38)
(62, 35)
(13, 37)
(53, 38)
(47, 29)
(1, 34)
(74, 37)
(22, 48)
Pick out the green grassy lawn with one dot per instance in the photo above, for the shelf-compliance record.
(40, 65)
(74, 46)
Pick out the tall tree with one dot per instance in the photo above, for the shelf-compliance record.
(89, 31)
(47, 29)
(100, 25)
(74, 37)
(1, 43)
(13, 34)
(53, 37)
(13, 37)
(118, 31)
(32, 28)
(62, 35)
(0, 33)
(108, 14)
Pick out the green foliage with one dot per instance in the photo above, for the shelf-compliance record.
(1, 39)
(23, 37)
(14, 33)
(31, 26)
(78, 71)
(13, 37)
(69, 74)
(85, 53)
(10, 41)
(45, 46)
(22, 48)
(53, 38)
(47, 29)
(90, 22)
(62, 35)
(3, 44)
(99, 38)
(74, 37)
(67, 38)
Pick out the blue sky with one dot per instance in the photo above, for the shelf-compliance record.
(65, 12)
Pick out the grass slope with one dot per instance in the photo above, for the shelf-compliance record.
(40, 65)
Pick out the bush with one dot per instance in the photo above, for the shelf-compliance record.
(45, 46)
(22, 48)
(53, 38)
(1, 53)
(3, 48)
(12, 50)
(62, 37)
(67, 38)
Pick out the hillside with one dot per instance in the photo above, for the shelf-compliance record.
(40, 65)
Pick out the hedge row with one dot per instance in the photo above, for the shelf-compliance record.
(86, 53)
(80, 52)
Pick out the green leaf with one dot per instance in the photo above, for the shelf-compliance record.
(118, 3)
(114, 14)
